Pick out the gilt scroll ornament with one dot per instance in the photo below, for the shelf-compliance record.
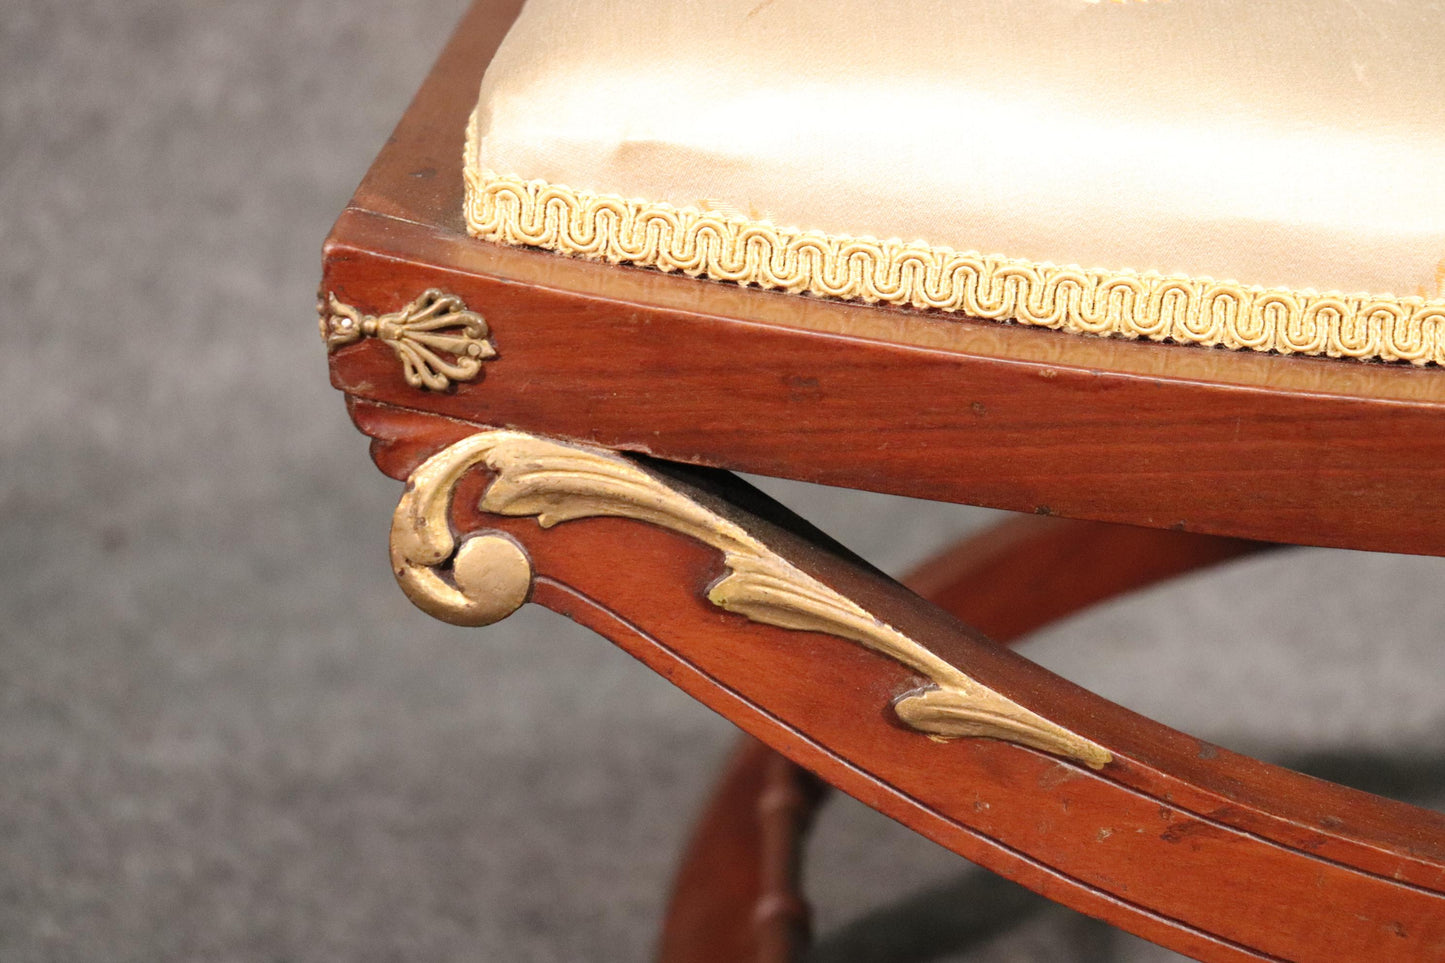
(556, 483)
(438, 341)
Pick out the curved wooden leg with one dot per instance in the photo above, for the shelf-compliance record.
(1005, 581)
(1031, 570)
(917, 715)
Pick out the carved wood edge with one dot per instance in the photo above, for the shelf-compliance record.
(489, 576)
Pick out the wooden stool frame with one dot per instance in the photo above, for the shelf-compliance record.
(562, 422)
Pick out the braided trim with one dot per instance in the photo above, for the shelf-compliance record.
(1122, 304)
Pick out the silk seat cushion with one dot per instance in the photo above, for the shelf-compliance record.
(1218, 172)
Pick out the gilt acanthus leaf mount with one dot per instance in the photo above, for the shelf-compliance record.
(555, 483)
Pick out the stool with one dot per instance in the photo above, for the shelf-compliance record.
(1164, 278)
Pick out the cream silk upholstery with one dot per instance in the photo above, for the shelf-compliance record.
(1265, 175)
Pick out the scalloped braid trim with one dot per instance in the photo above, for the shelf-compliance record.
(1111, 303)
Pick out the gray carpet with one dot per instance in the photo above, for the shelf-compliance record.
(224, 734)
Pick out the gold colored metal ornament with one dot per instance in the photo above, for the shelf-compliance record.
(557, 483)
(491, 575)
(438, 340)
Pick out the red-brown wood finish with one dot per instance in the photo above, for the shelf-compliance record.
(932, 420)
(1315, 871)
(737, 897)
(1298, 450)
(1024, 573)
(1004, 581)
(1213, 854)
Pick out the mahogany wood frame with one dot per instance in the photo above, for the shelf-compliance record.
(737, 895)
(1188, 440)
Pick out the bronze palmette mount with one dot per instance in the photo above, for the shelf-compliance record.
(438, 340)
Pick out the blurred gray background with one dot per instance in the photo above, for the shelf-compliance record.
(225, 735)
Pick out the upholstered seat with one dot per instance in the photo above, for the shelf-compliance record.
(1266, 176)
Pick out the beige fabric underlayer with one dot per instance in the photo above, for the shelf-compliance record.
(1211, 166)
